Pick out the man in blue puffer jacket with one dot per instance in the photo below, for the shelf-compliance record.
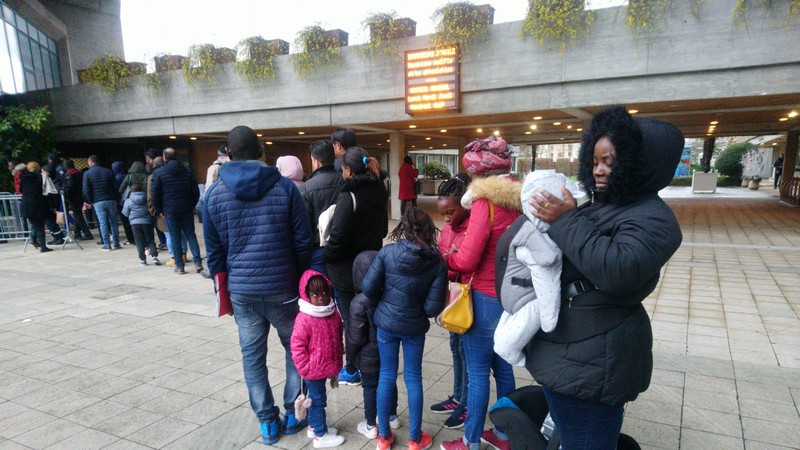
(258, 231)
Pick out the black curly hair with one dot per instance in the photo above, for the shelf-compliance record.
(418, 227)
(625, 135)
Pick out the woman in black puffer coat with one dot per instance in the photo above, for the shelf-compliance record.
(359, 223)
(600, 354)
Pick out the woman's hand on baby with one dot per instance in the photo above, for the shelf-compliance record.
(548, 208)
(334, 381)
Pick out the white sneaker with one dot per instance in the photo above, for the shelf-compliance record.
(368, 431)
(310, 432)
(329, 440)
(394, 422)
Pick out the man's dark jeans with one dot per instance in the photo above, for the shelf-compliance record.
(183, 225)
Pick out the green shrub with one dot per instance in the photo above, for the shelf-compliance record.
(681, 181)
(435, 170)
(729, 161)
(724, 181)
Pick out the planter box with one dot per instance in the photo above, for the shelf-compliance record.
(338, 37)
(279, 46)
(80, 73)
(704, 183)
(431, 187)
(405, 27)
(753, 185)
(275, 46)
(745, 182)
(168, 62)
(136, 68)
(224, 55)
(488, 12)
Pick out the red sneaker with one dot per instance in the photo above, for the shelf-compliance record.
(488, 437)
(457, 444)
(385, 443)
(425, 442)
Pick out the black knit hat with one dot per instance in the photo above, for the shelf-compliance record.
(151, 152)
(243, 143)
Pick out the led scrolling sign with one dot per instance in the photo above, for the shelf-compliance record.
(433, 80)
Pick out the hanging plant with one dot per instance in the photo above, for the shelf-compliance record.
(255, 58)
(562, 22)
(317, 49)
(111, 71)
(461, 23)
(385, 30)
(200, 64)
(645, 16)
(766, 7)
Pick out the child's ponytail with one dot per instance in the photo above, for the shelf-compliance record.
(359, 162)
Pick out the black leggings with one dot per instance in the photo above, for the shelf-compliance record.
(403, 205)
(143, 234)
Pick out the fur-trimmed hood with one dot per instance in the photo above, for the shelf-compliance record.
(500, 190)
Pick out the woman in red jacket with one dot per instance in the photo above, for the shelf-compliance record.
(408, 175)
(495, 205)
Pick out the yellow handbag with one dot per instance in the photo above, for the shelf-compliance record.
(457, 316)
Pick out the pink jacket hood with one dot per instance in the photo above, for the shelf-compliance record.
(291, 168)
(307, 275)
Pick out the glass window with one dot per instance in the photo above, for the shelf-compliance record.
(16, 60)
(30, 80)
(42, 38)
(55, 69)
(47, 69)
(25, 51)
(8, 14)
(6, 72)
(33, 32)
(51, 44)
(21, 24)
(38, 70)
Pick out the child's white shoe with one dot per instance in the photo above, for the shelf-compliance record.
(329, 440)
(310, 431)
(394, 422)
(368, 431)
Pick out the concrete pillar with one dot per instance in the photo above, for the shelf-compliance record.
(708, 152)
(790, 155)
(397, 151)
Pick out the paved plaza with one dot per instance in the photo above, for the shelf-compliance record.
(97, 352)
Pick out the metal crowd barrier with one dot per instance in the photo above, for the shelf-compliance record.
(13, 227)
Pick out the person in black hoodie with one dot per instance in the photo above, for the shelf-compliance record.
(600, 356)
(364, 349)
(34, 204)
(73, 186)
(120, 175)
(359, 223)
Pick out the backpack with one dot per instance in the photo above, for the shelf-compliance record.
(325, 220)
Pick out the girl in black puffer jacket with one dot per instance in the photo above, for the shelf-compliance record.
(408, 280)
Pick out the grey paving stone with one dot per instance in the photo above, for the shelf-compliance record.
(149, 372)
(651, 433)
(128, 422)
(177, 378)
(666, 413)
(86, 440)
(717, 385)
(665, 394)
(69, 404)
(139, 395)
(714, 401)
(207, 385)
(124, 444)
(170, 402)
(235, 394)
(779, 413)
(43, 396)
(767, 432)
(203, 411)
(49, 434)
(711, 421)
(701, 440)
(162, 432)
(96, 413)
(22, 422)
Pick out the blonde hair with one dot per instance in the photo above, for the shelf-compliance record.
(33, 166)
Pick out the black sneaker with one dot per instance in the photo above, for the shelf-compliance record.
(457, 418)
(117, 246)
(58, 241)
(445, 406)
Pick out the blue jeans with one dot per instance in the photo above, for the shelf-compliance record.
(460, 376)
(179, 226)
(107, 216)
(389, 349)
(481, 361)
(316, 412)
(582, 424)
(369, 383)
(169, 245)
(253, 317)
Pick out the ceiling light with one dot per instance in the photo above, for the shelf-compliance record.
(561, 139)
(556, 123)
(413, 146)
(527, 132)
(783, 119)
(714, 122)
(444, 145)
(430, 148)
(427, 139)
(774, 143)
(269, 142)
(497, 132)
(533, 127)
(579, 129)
(301, 132)
(193, 138)
(379, 145)
(633, 111)
(443, 131)
(793, 114)
(537, 118)
(260, 135)
(479, 130)
(569, 127)
(388, 140)
(173, 137)
(412, 126)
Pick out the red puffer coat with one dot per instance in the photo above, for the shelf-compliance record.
(316, 344)
(407, 175)
(477, 250)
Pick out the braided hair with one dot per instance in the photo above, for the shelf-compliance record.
(455, 187)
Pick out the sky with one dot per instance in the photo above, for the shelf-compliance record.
(150, 27)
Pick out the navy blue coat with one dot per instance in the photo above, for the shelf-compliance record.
(98, 185)
(409, 283)
(257, 229)
(174, 190)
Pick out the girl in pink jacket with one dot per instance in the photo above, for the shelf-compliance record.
(317, 351)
